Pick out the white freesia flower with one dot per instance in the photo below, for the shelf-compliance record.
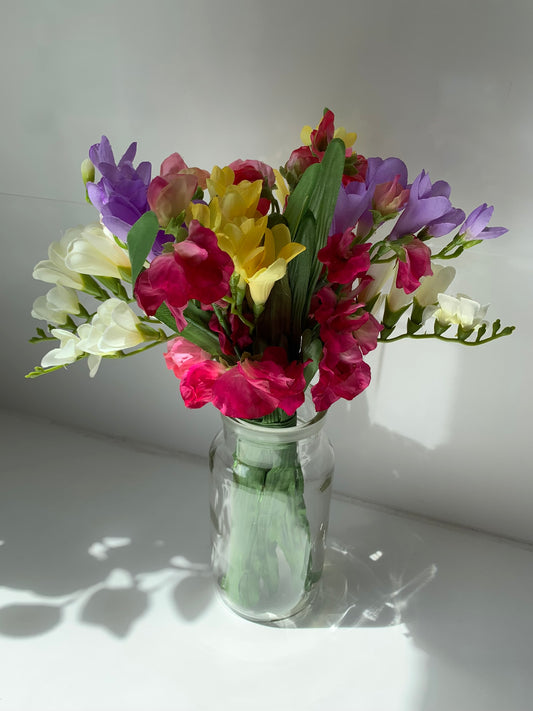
(460, 310)
(434, 284)
(427, 293)
(381, 274)
(54, 270)
(56, 306)
(68, 351)
(92, 251)
(113, 328)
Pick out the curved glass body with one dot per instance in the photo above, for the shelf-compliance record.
(270, 494)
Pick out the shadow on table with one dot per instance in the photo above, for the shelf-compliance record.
(91, 528)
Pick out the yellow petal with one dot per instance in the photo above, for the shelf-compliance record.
(305, 135)
(262, 281)
(282, 189)
(282, 236)
(201, 213)
(220, 180)
(289, 251)
(348, 138)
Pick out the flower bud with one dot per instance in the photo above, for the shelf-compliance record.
(87, 171)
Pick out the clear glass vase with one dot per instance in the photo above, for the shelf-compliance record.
(270, 495)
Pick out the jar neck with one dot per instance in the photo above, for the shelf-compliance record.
(276, 433)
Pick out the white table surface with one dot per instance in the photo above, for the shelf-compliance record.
(106, 602)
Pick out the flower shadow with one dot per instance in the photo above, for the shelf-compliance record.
(90, 535)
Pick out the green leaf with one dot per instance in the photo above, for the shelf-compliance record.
(164, 315)
(299, 199)
(309, 213)
(311, 351)
(141, 237)
(300, 273)
(197, 330)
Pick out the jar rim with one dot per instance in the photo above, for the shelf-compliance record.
(302, 429)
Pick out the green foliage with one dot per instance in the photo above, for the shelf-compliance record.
(309, 213)
(141, 238)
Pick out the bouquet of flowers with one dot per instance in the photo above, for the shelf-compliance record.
(265, 284)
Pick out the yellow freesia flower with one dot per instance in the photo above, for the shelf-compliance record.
(219, 180)
(240, 200)
(349, 138)
(207, 215)
(282, 189)
(264, 268)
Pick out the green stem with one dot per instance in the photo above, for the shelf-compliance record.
(504, 332)
(269, 554)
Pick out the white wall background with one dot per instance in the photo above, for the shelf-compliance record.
(444, 430)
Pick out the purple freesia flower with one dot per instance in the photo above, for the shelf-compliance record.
(475, 225)
(445, 224)
(427, 205)
(120, 195)
(381, 170)
(355, 199)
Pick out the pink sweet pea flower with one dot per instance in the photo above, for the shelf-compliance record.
(252, 170)
(322, 136)
(196, 269)
(343, 375)
(238, 338)
(175, 165)
(182, 355)
(248, 390)
(344, 262)
(417, 264)
(197, 385)
(390, 197)
(171, 191)
(236, 394)
(300, 160)
(282, 380)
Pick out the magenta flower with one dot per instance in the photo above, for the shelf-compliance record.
(197, 384)
(120, 195)
(342, 375)
(342, 320)
(475, 225)
(248, 390)
(252, 170)
(253, 388)
(238, 337)
(182, 355)
(417, 264)
(196, 269)
(348, 332)
(344, 261)
(300, 160)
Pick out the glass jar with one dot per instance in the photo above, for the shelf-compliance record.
(269, 496)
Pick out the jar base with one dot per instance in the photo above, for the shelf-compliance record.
(267, 616)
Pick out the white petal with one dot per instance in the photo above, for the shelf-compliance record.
(93, 362)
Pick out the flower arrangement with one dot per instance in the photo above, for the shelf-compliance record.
(264, 283)
(268, 285)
